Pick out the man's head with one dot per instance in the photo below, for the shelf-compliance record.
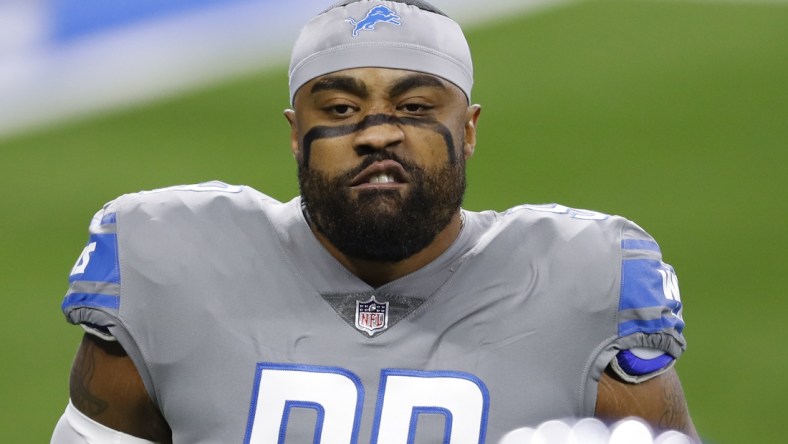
(401, 34)
(381, 150)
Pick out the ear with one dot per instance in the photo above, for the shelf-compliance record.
(291, 119)
(471, 119)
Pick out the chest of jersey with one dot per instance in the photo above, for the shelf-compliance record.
(244, 329)
(243, 345)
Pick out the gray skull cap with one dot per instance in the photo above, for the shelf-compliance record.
(381, 34)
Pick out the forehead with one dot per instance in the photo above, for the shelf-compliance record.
(377, 80)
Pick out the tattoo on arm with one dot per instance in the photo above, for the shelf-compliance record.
(82, 374)
(659, 401)
(107, 388)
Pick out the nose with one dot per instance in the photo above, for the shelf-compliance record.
(378, 132)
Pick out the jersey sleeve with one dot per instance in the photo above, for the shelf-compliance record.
(649, 320)
(93, 296)
(93, 299)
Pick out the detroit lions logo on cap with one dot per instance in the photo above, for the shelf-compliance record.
(378, 14)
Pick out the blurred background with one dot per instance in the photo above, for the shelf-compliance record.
(671, 113)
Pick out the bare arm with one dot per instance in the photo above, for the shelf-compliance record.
(659, 401)
(106, 387)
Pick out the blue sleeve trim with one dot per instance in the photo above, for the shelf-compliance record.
(94, 281)
(98, 261)
(110, 218)
(635, 366)
(650, 300)
(651, 326)
(642, 284)
(639, 244)
(90, 300)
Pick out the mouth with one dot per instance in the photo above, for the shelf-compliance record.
(383, 174)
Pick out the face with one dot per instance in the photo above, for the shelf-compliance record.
(381, 158)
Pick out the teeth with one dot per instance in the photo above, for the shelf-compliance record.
(381, 178)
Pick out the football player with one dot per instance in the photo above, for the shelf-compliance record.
(372, 307)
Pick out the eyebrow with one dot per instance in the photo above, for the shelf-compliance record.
(340, 83)
(415, 81)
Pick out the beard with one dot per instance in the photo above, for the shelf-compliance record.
(380, 224)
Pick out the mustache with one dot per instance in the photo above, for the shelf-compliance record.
(325, 132)
(379, 156)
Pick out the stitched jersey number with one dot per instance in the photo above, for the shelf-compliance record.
(337, 396)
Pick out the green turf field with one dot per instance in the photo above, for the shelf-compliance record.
(674, 114)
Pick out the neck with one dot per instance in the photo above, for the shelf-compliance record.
(377, 273)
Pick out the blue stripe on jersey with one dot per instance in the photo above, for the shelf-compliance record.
(649, 326)
(639, 244)
(642, 284)
(90, 300)
(108, 219)
(99, 260)
(649, 283)
(636, 366)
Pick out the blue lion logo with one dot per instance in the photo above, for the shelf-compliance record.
(378, 14)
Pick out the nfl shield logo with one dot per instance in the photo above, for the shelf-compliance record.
(372, 316)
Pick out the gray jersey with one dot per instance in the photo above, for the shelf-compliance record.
(245, 329)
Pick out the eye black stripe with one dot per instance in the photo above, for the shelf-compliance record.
(325, 132)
